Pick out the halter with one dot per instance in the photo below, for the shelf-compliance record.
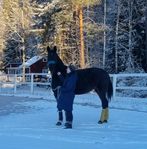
(51, 62)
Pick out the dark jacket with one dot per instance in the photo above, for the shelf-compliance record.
(67, 92)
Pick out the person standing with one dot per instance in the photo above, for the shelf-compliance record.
(67, 94)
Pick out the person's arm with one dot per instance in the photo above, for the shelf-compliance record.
(69, 84)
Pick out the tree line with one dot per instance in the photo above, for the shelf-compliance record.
(110, 34)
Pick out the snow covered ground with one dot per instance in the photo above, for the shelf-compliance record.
(29, 123)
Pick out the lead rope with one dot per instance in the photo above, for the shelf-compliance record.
(58, 91)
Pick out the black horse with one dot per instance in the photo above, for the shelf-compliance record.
(88, 79)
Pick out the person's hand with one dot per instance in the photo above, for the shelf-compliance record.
(58, 73)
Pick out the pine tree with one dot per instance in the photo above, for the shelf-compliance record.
(79, 6)
(64, 26)
(17, 15)
(110, 38)
(10, 27)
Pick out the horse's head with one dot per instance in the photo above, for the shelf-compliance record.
(52, 58)
(55, 64)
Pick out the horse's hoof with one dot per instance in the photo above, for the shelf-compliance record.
(105, 121)
(58, 123)
(101, 122)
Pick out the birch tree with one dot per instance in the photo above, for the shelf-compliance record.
(127, 36)
(2, 29)
(139, 49)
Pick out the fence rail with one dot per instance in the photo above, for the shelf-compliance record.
(116, 77)
(14, 84)
(40, 82)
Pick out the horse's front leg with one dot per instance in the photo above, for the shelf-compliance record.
(60, 118)
(60, 113)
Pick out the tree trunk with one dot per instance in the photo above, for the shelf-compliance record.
(104, 47)
(82, 52)
(116, 38)
(146, 38)
(130, 58)
(23, 42)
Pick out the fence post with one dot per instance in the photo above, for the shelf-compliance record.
(114, 86)
(32, 83)
(15, 84)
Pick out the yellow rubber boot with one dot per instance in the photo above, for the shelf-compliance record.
(102, 118)
(106, 116)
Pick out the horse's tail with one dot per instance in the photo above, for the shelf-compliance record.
(110, 90)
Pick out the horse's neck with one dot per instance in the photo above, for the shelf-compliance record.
(61, 67)
(55, 78)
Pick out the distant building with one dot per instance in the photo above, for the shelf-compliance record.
(37, 64)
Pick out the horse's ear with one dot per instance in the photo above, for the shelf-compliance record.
(48, 48)
(55, 49)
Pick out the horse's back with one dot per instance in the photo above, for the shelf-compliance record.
(91, 71)
(89, 79)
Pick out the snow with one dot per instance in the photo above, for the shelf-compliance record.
(29, 123)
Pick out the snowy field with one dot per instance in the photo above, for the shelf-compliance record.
(29, 123)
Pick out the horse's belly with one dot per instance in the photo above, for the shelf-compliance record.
(83, 90)
(85, 85)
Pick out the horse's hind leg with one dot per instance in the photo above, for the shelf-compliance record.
(105, 111)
